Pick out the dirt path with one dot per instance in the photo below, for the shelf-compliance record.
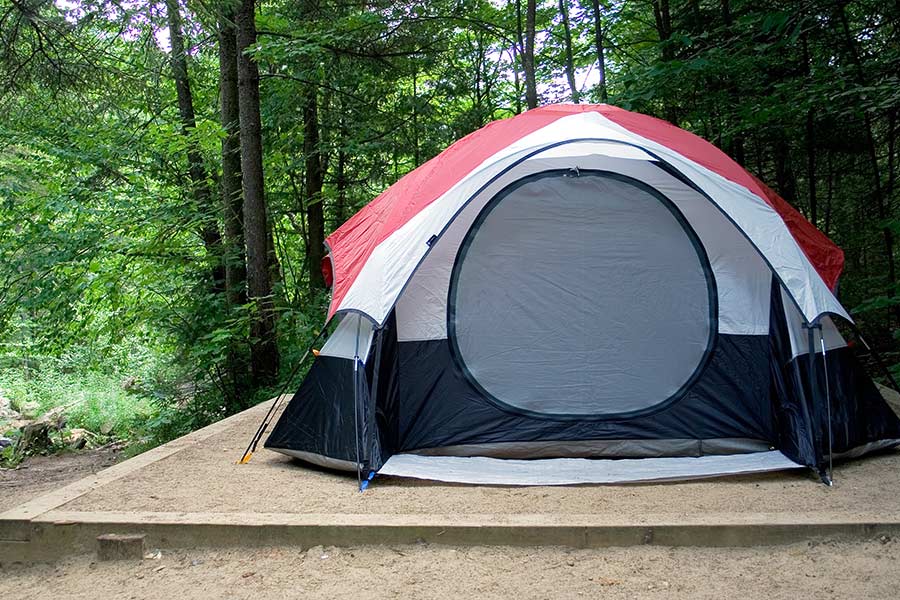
(858, 570)
(42, 474)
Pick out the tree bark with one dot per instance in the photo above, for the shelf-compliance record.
(200, 188)
(232, 199)
(315, 178)
(811, 166)
(417, 159)
(663, 18)
(881, 203)
(518, 49)
(785, 182)
(263, 344)
(570, 61)
(598, 43)
(233, 255)
(531, 97)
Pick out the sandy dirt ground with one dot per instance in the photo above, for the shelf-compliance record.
(205, 478)
(858, 570)
(42, 474)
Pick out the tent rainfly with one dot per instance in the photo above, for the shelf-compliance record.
(574, 285)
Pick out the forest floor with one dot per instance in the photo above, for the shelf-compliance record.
(40, 474)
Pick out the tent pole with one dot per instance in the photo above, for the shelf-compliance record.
(261, 430)
(877, 358)
(356, 403)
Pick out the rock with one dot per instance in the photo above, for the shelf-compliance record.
(77, 438)
(315, 552)
(5, 441)
(29, 409)
(7, 413)
(14, 425)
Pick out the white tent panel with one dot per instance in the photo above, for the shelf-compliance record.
(352, 337)
(571, 471)
(800, 335)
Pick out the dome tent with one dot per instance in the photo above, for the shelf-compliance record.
(580, 283)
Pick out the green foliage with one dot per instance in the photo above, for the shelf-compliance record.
(104, 271)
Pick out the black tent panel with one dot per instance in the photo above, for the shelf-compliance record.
(439, 407)
(321, 420)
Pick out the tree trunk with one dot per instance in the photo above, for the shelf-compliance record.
(881, 203)
(663, 19)
(263, 345)
(811, 166)
(785, 182)
(829, 194)
(341, 184)
(598, 43)
(810, 139)
(726, 13)
(315, 215)
(518, 49)
(570, 61)
(531, 97)
(417, 159)
(200, 188)
(233, 254)
(232, 199)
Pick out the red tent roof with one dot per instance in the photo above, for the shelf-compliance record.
(353, 243)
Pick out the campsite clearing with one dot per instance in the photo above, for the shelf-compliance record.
(190, 493)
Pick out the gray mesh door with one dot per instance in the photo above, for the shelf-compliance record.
(581, 294)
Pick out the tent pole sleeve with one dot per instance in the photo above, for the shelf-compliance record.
(827, 406)
(816, 400)
(356, 404)
(376, 368)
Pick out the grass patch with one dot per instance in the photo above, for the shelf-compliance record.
(93, 401)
